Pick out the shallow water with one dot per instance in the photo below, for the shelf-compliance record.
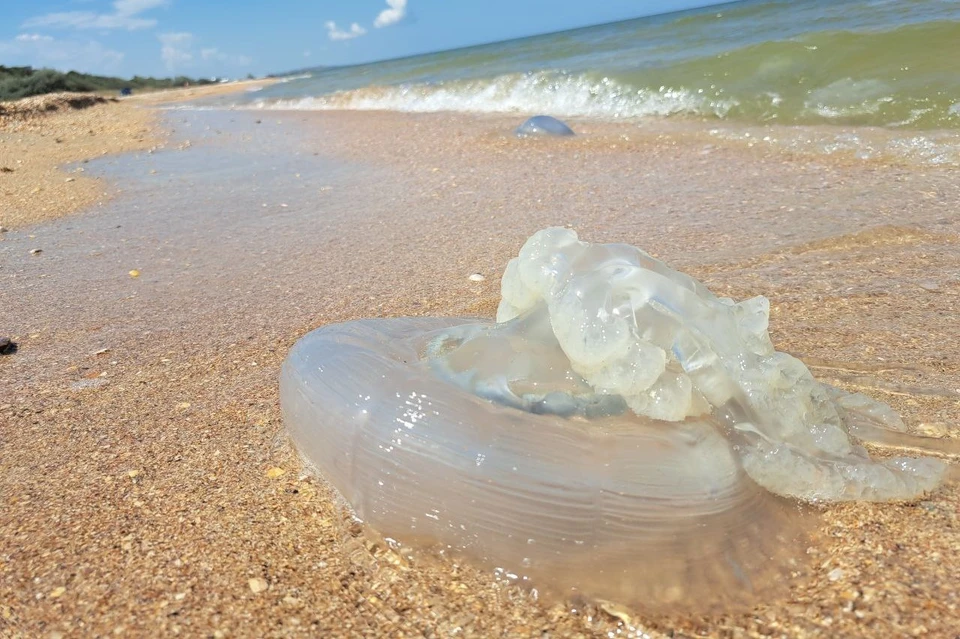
(220, 214)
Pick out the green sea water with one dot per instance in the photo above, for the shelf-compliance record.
(892, 64)
(883, 63)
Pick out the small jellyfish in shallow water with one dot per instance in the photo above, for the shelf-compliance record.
(619, 431)
(544, 125)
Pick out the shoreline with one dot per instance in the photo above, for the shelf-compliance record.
(41, 135)
(46, 188)
(147, 482)
(36, 146)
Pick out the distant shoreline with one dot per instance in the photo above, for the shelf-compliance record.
(185, 94)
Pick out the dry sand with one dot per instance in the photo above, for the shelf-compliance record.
(146, 486)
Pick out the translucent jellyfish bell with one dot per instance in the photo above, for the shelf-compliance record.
(619, 431)
(544, 125)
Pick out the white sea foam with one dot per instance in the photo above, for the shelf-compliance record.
(867, 143)
(548, 92)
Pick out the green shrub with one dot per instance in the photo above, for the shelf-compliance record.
(22, 82)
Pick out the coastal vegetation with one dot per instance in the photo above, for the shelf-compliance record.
(22, 82)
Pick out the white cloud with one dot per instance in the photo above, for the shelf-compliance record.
(396, 12)
(177, 52)
(66, 55)
(336, 34)
(393, 15)
(175, 49)
(125, 15)
(89, 20)
(33, 37)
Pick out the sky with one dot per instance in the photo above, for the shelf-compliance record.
(201, 38)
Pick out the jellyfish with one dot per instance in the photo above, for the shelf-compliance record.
(544, 125)
(618, 432)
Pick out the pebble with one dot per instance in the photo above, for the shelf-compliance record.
(85, 384)
(134, 273)
(257, 585)
(36, 251)
(476, 277)
(71, 179)
(7, 346)
(275, 472)
(616, 611)
(3, 229)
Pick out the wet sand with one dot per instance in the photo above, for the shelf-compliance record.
(40, 136)
(45, 141)
(147, 488)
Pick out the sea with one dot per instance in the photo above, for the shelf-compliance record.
(865, 78)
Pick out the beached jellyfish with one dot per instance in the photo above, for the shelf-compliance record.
(619, 430)
(544, 125)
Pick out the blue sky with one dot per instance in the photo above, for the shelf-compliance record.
(203, 38)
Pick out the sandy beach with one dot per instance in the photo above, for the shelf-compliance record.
(146, 484)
